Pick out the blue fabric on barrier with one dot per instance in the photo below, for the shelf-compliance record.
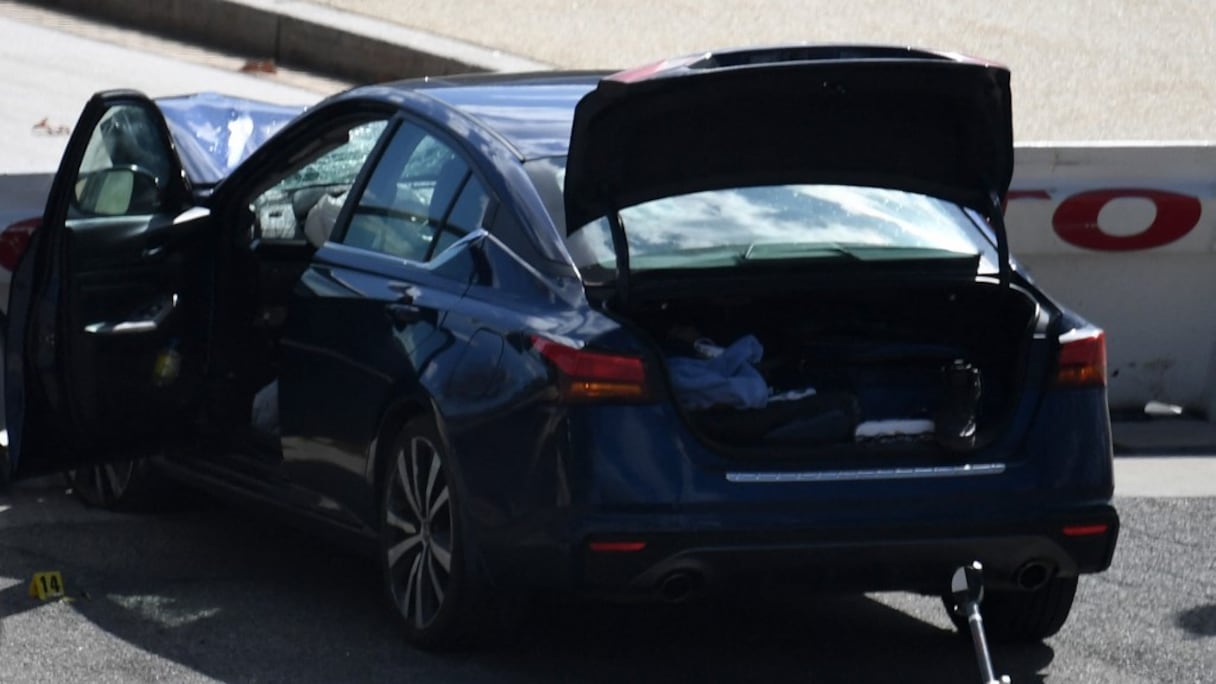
(214, 133)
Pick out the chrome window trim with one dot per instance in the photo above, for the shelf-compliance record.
(770, 477)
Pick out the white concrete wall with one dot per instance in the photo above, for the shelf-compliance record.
(1125, 236)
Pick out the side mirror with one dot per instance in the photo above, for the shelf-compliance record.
(118, 191)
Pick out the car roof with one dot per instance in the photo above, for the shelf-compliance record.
(532, 112)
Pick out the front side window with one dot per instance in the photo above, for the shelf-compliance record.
(304, 203)
(126, 166)
(421, 198)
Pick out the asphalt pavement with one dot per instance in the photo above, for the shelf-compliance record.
(207, 593)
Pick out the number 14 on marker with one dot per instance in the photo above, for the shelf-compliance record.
(47, 585)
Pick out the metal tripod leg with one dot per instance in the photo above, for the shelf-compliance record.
(967, 590)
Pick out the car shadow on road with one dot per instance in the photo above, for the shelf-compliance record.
(238, 600)
(779, 637)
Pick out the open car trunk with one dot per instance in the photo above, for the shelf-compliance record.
(799, 231)
(922, 369)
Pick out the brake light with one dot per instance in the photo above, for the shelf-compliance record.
(1082, 358)
(594, 376)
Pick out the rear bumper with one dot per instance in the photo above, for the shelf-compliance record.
(633, 473)
(673, 564)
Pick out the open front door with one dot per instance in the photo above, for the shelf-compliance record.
(107, 327)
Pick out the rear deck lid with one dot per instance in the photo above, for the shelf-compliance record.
(897, 118)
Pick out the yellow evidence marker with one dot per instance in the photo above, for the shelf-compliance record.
(47, 585)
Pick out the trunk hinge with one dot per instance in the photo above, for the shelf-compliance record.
(620, 245)
(997, 214)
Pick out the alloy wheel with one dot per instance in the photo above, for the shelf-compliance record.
(419, 532)
(103, 485)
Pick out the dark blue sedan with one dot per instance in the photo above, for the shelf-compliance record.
(743, 317)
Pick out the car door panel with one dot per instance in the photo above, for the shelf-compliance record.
(125, 318)
(347, 356)
(264, 208)
(367, 328)
(266, 205)
(107, 334)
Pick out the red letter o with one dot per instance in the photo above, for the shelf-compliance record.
(1076, 219)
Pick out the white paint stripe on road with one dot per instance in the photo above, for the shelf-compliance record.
(1165, 476)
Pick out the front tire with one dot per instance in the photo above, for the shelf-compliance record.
(121, 486)
(422, 551)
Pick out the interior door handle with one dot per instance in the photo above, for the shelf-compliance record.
(402, 313)
(148, 321)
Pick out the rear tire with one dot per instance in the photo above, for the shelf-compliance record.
(1022, 616)
(128, 486)
(423, 553)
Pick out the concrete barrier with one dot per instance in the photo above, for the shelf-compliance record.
(1124, 234)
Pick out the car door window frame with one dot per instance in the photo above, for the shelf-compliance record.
(273, 162)
(472, 171)
(291, 166)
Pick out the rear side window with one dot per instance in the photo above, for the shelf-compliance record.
(420, 199)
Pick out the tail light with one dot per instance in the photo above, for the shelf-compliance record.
(594, 376)
(617, 546)
(1082, 358)
(13, 241)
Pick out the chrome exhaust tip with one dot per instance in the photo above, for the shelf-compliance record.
(1033, 575)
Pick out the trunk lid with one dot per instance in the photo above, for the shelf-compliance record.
(898, 118)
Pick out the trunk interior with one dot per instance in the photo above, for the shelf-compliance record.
(899, 371)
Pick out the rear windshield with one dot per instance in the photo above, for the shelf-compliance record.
(722, 228)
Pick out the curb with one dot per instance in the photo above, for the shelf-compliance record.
(1136, 434)
(301, 35)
